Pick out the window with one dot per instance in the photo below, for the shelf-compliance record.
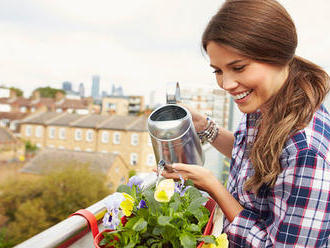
(33, 109)
(151, 160)
(134, 158)
(134, 139)
(39, 130)
(116, 138)
(28, 130)
(89, 135)
(117, 169)
(61, 147)
(105, 137)
(51, 146)
(22, 109)
(51, 132)
(77, 148)
(13, 125)
(38, 145)
(59, 110)
(77, 134)
(88, 150)
(104, 151)
(62, 133)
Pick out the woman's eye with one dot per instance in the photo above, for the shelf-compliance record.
(218, 71)
(239, 68)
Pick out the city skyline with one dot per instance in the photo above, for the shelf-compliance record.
(140, 46)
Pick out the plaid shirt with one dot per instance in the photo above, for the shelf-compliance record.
(296, 212)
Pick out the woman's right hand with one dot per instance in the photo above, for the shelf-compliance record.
(199, 120)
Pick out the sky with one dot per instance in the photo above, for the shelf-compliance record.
(140, 45)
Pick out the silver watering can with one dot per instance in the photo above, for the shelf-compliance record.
(173, 134)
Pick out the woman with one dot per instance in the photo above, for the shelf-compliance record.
(278, 190)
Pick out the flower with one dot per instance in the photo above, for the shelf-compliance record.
(111, 219)
(167, 215)
(135, 180)
(164, 190)
(114, 203)
(142, 204)
(127, 204)
(222, 242)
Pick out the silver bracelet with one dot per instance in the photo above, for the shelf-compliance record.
(210, 133)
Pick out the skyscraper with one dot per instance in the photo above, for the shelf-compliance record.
(95, 86)
(81, 90)
(67, 86)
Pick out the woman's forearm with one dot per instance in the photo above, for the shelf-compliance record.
(228, 204)
(224, 142)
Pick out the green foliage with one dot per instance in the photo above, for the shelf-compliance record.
(18, 91)
(176, 223)
(47, 201)
(49, 92)
(29, 147)
(131, 173)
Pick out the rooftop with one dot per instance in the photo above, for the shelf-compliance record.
(48, 159)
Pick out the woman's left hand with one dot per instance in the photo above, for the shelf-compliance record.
(202, 178)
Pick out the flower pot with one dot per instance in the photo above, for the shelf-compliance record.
(210, 205)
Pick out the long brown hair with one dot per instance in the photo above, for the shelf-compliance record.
(263, 31)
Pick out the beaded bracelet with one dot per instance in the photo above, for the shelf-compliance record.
(210, 133)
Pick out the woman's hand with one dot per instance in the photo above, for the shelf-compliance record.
(202, 178)
(199, 120)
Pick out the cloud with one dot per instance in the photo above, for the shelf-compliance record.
(138, 44)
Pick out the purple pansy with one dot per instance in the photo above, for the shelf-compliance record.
(135, 180)
(142, 204)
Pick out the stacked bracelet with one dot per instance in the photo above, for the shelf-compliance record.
(210, 133)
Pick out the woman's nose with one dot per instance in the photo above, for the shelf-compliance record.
(228, 83)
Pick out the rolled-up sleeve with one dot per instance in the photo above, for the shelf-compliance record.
(299, 208)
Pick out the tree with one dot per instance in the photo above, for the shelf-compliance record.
(18, 91)
(47, 201)
(49, 92)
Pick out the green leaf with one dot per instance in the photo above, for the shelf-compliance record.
(188, 240)
(153, 205)
(140, 225)
(164, 220)
(123, 188)
(193, 228)
(209, 239)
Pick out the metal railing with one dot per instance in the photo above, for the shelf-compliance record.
(66, 232)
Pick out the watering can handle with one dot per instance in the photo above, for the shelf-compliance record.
(92, 222)
(173, 93)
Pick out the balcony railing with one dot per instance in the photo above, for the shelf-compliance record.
(66, 232)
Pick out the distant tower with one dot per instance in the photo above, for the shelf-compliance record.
(95, 86)
(120, 91)
(81, 90)
(67, 86)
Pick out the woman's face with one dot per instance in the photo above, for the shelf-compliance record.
(250, 83)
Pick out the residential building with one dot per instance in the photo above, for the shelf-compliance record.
(211, 102)
(33, 127)
(11, 148)
(109, 164)
(124, 135)
(135, 104)
(118, 105)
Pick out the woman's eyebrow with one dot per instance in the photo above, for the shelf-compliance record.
(229, 64)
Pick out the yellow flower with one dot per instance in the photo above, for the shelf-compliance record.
(127, 204)
(222, 242)
(164, 190)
